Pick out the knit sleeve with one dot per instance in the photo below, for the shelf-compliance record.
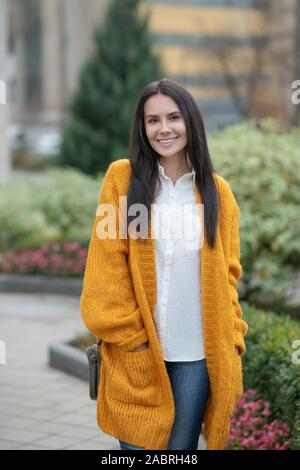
(235, 272)
(108, 303)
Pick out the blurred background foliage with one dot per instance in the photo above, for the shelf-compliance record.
(271, 365)
(263, 168)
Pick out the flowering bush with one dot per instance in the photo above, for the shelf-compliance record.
(52, 259)
(251, 428)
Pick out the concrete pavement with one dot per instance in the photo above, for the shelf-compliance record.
(40, 407)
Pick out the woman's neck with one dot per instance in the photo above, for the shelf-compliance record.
(175, 167)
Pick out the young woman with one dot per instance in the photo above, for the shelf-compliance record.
(160, 286)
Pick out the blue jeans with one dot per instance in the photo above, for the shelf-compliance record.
(190, 386)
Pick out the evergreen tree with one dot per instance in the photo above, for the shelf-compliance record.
(110, 82)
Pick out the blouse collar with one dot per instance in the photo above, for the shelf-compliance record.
(185, 175)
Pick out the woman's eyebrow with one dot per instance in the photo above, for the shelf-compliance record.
(170, 114)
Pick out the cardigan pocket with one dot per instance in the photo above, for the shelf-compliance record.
(135, 379)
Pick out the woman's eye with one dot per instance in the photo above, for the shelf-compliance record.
(154, 120)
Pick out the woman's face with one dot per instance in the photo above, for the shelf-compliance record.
(165, 126)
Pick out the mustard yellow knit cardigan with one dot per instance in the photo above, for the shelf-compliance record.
(135, 401)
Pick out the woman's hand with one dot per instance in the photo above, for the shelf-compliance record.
(141, 347)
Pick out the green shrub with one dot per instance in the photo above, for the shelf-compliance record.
(262, 166)
(270, 367)
(59, 206)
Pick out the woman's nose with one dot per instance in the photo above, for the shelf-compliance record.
(164, 126)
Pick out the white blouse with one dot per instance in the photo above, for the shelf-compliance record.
(177, 234)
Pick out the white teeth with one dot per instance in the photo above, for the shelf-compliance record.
(167, 141)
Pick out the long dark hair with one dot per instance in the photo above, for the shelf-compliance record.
(144, 159)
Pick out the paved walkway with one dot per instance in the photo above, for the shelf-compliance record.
(41, 407)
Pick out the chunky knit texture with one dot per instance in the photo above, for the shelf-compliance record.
(135, 401)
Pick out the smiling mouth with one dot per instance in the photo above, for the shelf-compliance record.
(167, 141)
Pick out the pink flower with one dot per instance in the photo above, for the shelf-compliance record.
(250, 428)
(59, 259)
